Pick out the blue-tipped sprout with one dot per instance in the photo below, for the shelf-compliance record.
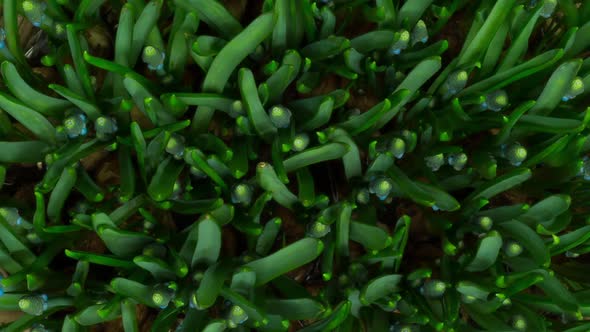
(162, 294)
(512, 248)
(548, 8)
(105, 127)
(571, 254)
(363, 196)
(300, 142)
(585, 169)
(317, 229)
(59, 30)
(381, 186)
(197, 173)
(11, 215)
(236, 109)
(468, 298)
(519, 323)
(153, 57)
(39, 328)
(403, 328)
(495, 101)
(1, 287)
(455, 82)
(154, 250)
(75, 125)
(177, 189)
(33, 304)
(485, 223)
(397, 147)
(457, 160)
(515, 153)
(280, 116)
(2, 38)
(236, 316)
(435, 162)
(576, 88)
(175, 146)
(433, 289)
(242, 194)
(193, 301)
(401, 43)
(419, 33)
(35, 11)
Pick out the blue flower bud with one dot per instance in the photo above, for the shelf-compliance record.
(105, 127)
(362, 196)
(515, 153)
(548, 8)
(236, 316)
(153, 57)
(381, 186)
(455, 82)
(33, 304)
(419, 33)
(496, 101)
(576, 88)
(75, 125)
(317, 229)
(175, 146)
(2, 38)
(519, 323)
(512, 248)
(300, 142)
(162, 294)
(401, 43)
(242, 194)
(457, 160)
(11, 215)
(435, 162)
(397, 147)
(485, 223)
(34, 11)
(280, 116)
(433, 289)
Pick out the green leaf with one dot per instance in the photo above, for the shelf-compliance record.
(286, 259)
(208, 243)
(269, 181)
(228, 59)
(480, 42)
(295, 309)
(23, 152)
(546, 210)
(335, 319)
(30, 119)
(256, 113)
(516, 73)
(315, 155)
(528, 239)
(413, 81)
(91, 110)
(487, 252)
(41, 103)
(411, 12)
(123, 243)
(558, 85)
(370, 237)
(380, 287)
(500, 184)
(215, 15)
(161, 186)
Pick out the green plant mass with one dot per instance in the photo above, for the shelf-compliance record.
(295, 165)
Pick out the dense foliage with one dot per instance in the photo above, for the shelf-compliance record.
(282, 165)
